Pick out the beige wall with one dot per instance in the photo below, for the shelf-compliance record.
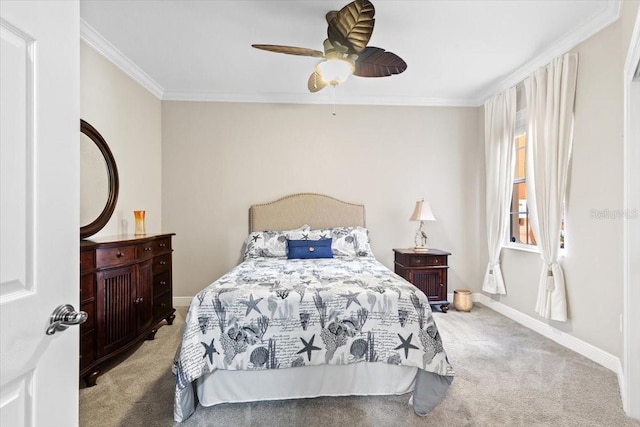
(219, 158)
(128, 117)
(593, 260)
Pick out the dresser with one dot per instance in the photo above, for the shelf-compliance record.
(126, 290)
(427, 271)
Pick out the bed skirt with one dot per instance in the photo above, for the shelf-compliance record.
(359, 379)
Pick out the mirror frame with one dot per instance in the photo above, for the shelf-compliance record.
(114, 183)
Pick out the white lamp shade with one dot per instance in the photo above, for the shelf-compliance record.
(422, 212)
(334, 71)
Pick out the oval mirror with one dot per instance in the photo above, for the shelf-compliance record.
(98, 181)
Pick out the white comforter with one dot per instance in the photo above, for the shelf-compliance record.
(273, 313)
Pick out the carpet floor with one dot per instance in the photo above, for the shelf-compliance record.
(507, 375)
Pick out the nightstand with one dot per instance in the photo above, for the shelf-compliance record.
(427, 271)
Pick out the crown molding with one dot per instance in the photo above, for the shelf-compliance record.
(322, 99)
(94, 39)
(612, 12)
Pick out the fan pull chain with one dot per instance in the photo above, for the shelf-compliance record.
(334, 100)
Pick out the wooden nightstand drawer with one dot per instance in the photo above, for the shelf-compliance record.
(427, 260)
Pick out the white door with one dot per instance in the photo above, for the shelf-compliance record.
(39, 210)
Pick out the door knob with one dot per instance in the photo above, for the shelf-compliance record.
(63, 317)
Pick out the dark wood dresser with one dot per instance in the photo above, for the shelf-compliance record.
(126, 290)
(427, 271)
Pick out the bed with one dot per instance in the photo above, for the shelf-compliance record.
(332, 321)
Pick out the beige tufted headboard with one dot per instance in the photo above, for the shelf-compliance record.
(317, 210)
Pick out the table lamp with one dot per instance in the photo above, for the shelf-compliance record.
(421, 213)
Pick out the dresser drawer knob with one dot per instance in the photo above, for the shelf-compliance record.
(162, 282)
(147, 249)
(119, 254)
(162, 262)
(163, 305)
(162, 245)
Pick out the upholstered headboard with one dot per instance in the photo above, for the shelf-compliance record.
(317, 210)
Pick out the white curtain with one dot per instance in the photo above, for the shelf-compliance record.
(499, 151)
(550, 95)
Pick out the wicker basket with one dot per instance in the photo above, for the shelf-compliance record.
(462, 299)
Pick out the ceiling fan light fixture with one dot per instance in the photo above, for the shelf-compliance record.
(335, 71)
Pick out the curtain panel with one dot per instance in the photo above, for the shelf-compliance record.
(550, 93)
(500, 118)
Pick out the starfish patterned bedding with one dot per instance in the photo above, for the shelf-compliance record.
(276, 313)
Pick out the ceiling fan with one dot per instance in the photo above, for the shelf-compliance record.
(345, 49)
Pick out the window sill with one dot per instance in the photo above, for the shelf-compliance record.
(533, 249)
(523, 248)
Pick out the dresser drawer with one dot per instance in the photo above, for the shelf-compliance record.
(87, 350)
(162, 245)
(161, 283)
(86, 287)
(111, 257)
(421, 260)
(144, 250)
(162, 306)
(89, 324)
(162, 263)
(87, 261)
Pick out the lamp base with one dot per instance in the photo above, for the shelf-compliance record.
(421, 249)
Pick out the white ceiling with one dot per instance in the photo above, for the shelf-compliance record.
(458, 52)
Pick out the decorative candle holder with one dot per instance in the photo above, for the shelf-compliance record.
(139, 217)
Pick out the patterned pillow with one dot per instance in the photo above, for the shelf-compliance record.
(346, 241)
(272, 244)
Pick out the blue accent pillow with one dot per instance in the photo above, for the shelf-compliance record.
(305, 249)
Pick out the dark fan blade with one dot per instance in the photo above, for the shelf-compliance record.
(315, 83)
(290, 50)
(376, 62)
(352, 25)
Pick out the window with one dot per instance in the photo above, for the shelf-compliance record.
(520, 224)
(520, 230)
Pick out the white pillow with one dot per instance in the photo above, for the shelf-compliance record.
(346, 241)
(272, 244)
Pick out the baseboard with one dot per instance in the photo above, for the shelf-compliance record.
(583, 348)
(182, 301)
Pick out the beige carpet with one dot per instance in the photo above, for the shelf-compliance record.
(507, 375)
